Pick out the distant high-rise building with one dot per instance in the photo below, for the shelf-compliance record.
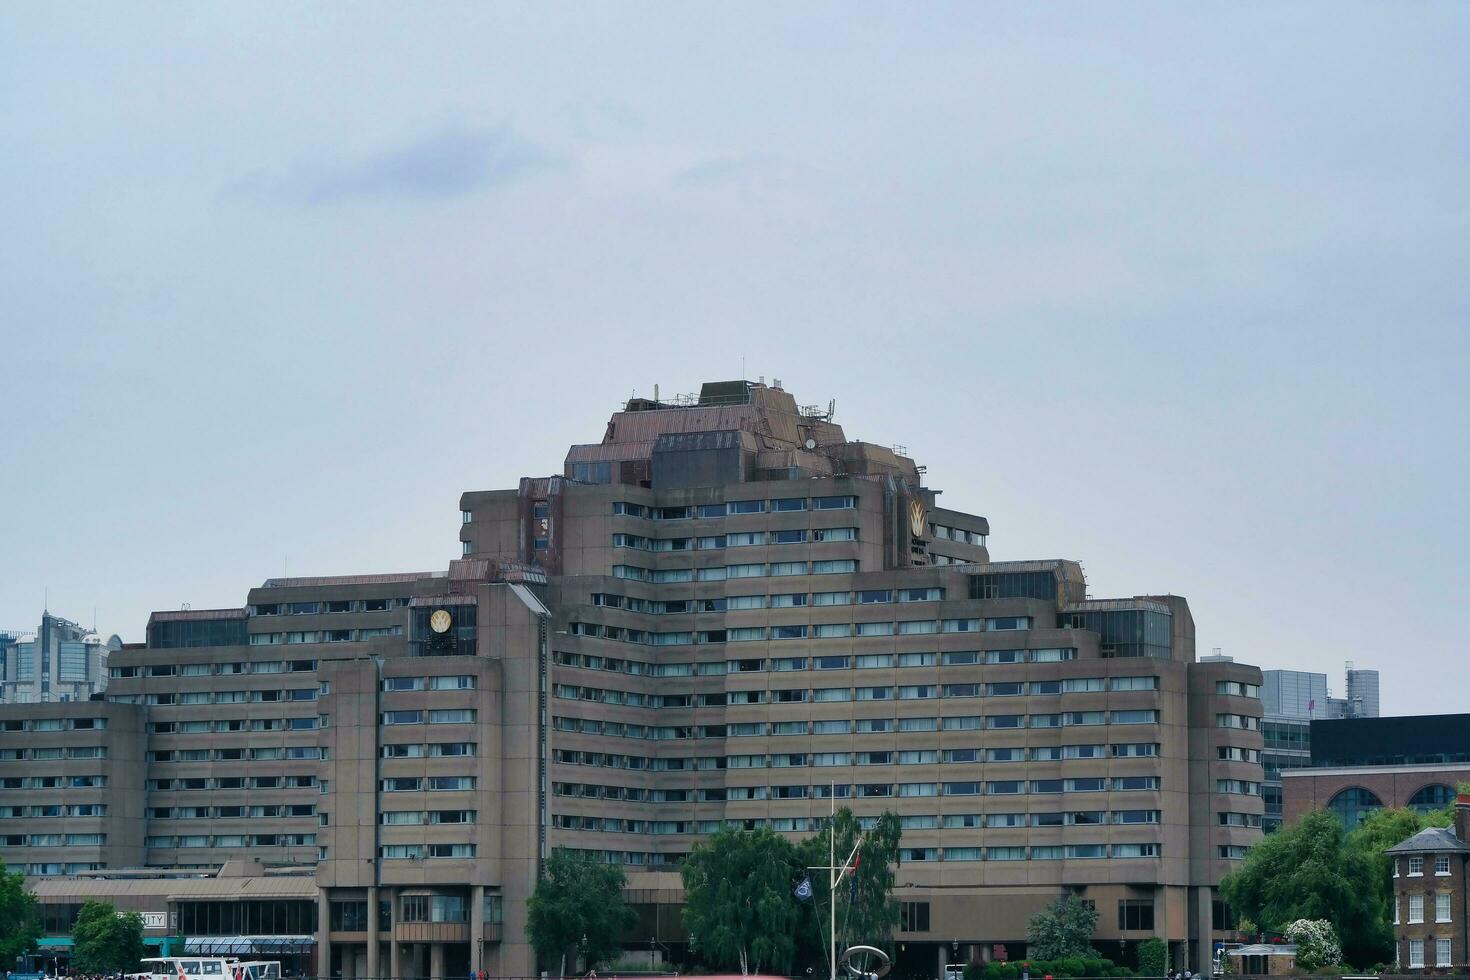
(1362, 693)
(1290, 700)
(61, 661)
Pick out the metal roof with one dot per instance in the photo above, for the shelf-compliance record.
(384, 579)
(180, 615)
(1431, 840)
(273, 886)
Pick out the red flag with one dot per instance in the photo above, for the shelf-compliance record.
(855, 859)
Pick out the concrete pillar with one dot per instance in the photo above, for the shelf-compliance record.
(436, 959)
(477, 928)
(372, 933)
(1204, 926)
(323, 931)
(395, 955)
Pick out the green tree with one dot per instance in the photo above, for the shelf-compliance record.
(1062, 929)
(867, 913)
(1317, 870)
(578, 907)
(738, 903)
(1153, 958)
(106, 940)
(20, 921)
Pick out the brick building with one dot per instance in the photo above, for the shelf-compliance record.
(1430, 908)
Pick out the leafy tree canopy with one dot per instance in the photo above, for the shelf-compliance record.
(738, 905)
(107, 941)
(20, 922)
(867, 913)
(1062, 929)
(1316, 870)
(578, 907)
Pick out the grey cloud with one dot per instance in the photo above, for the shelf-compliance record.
(452, 162)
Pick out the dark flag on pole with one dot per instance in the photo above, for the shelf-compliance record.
(804, 889)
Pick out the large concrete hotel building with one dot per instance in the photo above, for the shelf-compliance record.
(723, 613)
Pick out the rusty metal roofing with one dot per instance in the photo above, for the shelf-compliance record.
(184, 615)
(609, 452)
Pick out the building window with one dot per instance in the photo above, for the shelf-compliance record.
(913, 917)
(1136, 913)
(1395, 910)
(1416, 953)
(1442, 952)
(1416, 866)
(1416, 908)
(1353, 805)
(1441, 864)
(1442, 907)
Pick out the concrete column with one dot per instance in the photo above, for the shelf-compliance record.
(372, 933)
(323, 931)
(395, 955)
(1204, 925)
(477, 927)
(436, 959)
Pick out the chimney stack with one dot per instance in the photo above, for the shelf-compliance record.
(1462, 816)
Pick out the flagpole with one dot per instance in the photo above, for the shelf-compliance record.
(832, 882)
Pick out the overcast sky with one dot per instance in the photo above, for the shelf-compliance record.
(1176, 290)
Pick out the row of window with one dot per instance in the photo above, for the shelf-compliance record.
(55, 810)
(1442, 902)
(232, 812)
(1442, 954)
(1413, 867)
(418, 784)
(231, 840)
(444, 682)
(54, 868)
(799, 631)
(436, 716)
(414, 818)
(215, 669)
(828, 695)
(781, 505)
(231, 697)
(800, 695)
(430, 750)
(298, 781)
(52, 724)
(416, 852)
(53, 782)
(1238, 787)
(326, 606)
(943, 532)
(721, 573)
(949, 821)
(53, 840)
(1250, 723)
(1238, 689)
(55, 752)
(785, 600)
(866, 661)
(742, 539)
(199, 726)
(237, 754)
(608, 760)
(324, 636)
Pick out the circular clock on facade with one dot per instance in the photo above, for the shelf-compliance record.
(440, 621)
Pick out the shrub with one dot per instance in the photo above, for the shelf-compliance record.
(1316, 943)
(1153, 956)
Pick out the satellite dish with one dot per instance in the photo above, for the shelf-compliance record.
(811, 444)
